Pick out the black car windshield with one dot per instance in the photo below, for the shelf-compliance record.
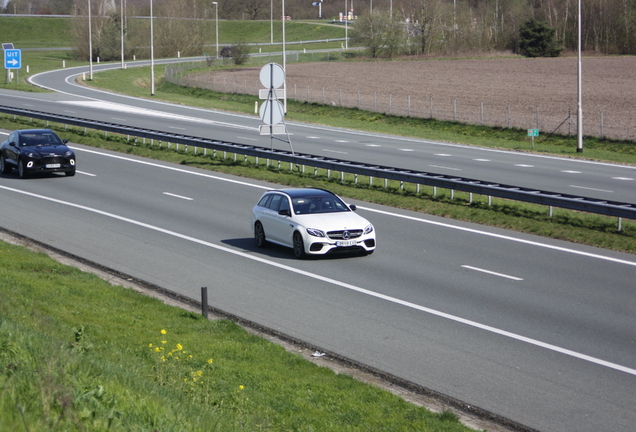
(39, 138)
(318, 204)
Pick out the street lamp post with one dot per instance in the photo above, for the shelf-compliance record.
(121, 25)
(152, 54)
(579, 111)
(284, 62)
(216, 21)
(346, 18)
(90, 43)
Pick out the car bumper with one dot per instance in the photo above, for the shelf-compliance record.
(322, 246)
(42, 167)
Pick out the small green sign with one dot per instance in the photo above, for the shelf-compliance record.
(533, 132)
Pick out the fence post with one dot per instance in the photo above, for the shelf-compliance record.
(481, 112)
(390, 102)
(431, 107)
(508, 116)
(409, 110)
(601, 124)
(537, 117)
(454, 109)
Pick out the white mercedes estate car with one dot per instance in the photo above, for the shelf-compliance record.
(311, 222)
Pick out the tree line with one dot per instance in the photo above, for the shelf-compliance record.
(430, 26)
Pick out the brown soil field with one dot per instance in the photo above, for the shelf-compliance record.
(518, 92)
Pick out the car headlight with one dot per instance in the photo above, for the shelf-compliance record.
(315, 232)
(68, 154)
(368, 229)
(34, 155)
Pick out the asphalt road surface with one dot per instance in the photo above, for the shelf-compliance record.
(539, 331)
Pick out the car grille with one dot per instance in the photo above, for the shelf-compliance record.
(340, 235)
(52, 160)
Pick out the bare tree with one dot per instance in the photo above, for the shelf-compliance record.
(424, 22)
(379, 33)
(176, 31)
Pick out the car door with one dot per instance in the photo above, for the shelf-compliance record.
(269, 217)
(11, 151)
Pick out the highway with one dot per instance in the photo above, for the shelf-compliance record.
(539, 331)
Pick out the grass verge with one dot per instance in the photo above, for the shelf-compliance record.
(77, 354)
(584, 228)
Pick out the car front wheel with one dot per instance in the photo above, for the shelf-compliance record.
(299, 246)
(22, 169)
(4, 166)
(259, 235)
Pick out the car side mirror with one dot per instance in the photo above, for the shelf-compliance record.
(284, 212)
(12, 144)
(353, 207)
(65, 141)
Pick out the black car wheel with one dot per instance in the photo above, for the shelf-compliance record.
(4, 166)
(259, 235)
(22, 169)
(299, 245)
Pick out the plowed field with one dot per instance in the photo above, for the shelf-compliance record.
(520, 92)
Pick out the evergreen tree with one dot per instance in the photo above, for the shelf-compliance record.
(537, 39)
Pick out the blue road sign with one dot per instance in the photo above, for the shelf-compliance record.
(12, 59)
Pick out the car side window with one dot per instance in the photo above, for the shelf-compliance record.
(264, 201)
(275, 202)
(284, 205)
(13, 138)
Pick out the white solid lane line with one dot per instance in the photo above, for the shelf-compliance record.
(492, 273)
(265, 261)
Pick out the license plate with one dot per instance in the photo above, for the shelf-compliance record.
(345, 243)
(53, 165)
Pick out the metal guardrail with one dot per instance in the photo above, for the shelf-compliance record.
(517, 193)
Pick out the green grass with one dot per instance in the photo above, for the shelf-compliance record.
(37, 32)
(77, 354)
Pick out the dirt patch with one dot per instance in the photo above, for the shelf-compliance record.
(517, 92)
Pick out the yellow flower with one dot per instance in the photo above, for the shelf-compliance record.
(163, 332)
(164, 342)
(150, 345)
(210, 361)
(241, 387)
(179, 347)
(199, 373)
(157, 349)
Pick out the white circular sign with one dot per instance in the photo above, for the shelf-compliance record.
(272, 112)
(272, 75)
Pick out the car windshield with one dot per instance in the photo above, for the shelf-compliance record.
(318, 204)
(38, 138)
